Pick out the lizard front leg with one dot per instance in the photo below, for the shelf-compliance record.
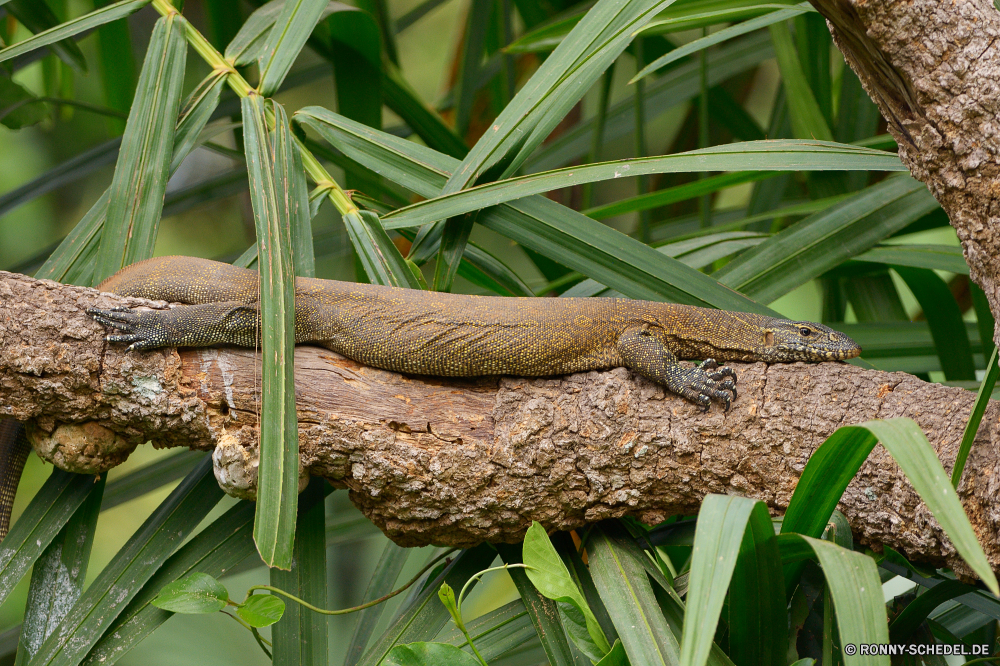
(644, 350)
(183, 326)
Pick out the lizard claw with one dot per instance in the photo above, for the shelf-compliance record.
(707, 383)
(136, 329)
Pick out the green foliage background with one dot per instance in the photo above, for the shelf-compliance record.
(812, 231)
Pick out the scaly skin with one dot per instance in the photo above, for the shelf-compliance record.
(454, 335)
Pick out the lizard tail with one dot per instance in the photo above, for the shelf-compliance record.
(14, 450)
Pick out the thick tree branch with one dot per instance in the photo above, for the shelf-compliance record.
(457, 462)
(933, 68)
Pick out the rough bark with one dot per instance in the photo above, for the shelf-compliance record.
(458, 462)
(933, 68)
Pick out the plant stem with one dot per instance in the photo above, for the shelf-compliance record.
(354, 609)
(240, 86)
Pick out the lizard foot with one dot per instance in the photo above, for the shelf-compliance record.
(139, 330)
(719, 374)
(703, 385)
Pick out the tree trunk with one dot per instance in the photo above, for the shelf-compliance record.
(460, 461)
(933, 68)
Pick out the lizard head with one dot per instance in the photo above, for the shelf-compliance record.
(786, 340)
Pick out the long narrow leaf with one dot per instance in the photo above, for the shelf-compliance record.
(807, 118)
(629, 598)
(425, 615)
(544, 612)
(278, 477)
(141, 174)
(838, 459)
(49, 510)
(299, 638)
(291, 30)
(775, 155)
(826, 239)
(976, 417)
(538, 223)
(945, 319)
(381, 583)
(853, 583)
(58, 576)
(222, 545)
(74, 27)
(593, 44)
(134, 564)
(722, 521)
(720, 36)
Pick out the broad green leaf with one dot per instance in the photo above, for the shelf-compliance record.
(136, 198)
(547, 572)
(291, 30)
(720, 36)
(722, 521)
(624, 587)
(423, 616)
(826, 239)
(269, 166)
(975, 417)
(132, 566)
(301, 635)
(58, 576)
(838, 459)
(773, 155)
(945, 320)
(617, 656)
(261, 610)
(807, 118)
(757, 607)
(74, 27)
(382, 582)
(47, 513)
(853, 583)
(429, 654)
(198, 593)
(544, 612)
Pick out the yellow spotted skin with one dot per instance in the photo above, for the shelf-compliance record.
(455, 335)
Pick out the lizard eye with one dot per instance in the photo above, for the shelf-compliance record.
(805, 332)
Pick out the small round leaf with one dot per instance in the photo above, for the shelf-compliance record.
(261, 610)
(428, 654)
(197, 593)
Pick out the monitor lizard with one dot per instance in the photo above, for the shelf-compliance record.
(455, 335)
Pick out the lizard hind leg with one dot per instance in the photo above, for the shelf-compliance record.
(644, 349)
